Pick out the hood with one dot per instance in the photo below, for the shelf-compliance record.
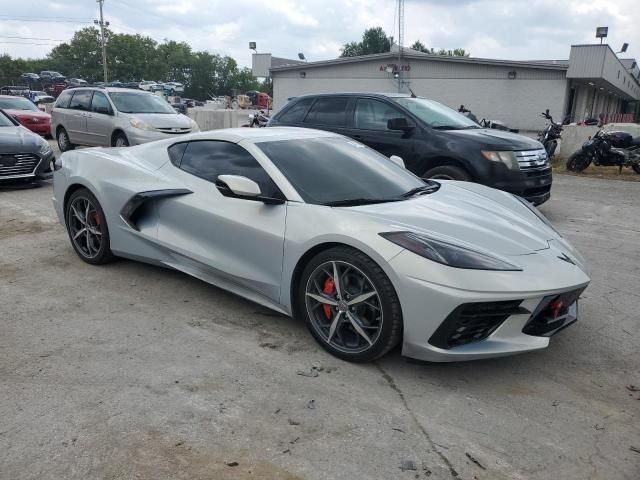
(39, 114)
(497, 139)
(163, 120)
(19, 140)
(483, 218)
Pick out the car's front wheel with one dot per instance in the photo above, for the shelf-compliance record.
(350, 305)
(87, 228)
(448, 172)
(64, 144)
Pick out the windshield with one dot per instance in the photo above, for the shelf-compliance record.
(4, 120)
(435, 114)
(129, 102)
(17, 103)
(327, 171)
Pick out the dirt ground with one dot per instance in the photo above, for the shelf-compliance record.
(130, 371)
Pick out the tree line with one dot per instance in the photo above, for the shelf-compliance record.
(375, 40)
(135, 58)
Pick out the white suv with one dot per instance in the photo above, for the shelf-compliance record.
(114, 117)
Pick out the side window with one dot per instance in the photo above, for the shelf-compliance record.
(209, 158)
(100, 103)
(81, 100)
(296, 112)
(373, 114)
(176, 151)
(63, 99)
(328, 111)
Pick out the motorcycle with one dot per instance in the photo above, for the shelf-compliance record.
(550, 135)
(258, 120)
(484, 123)
(607, 149)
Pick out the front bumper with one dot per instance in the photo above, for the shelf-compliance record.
(137, 136)
(431, 293)
(533, 184)
(25, 166)
(39, 128)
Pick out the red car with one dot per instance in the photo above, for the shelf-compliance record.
(26, 113)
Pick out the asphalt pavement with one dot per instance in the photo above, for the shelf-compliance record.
(130, 371)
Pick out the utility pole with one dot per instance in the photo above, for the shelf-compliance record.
(103, 24)
(400, 41)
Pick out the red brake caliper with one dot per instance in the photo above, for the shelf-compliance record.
(96, 218)
(329, 288)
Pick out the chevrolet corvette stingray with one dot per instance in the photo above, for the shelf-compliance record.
(320, 227)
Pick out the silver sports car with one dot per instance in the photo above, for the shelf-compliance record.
(320, 227)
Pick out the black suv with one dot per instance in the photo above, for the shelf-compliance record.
(433, 140)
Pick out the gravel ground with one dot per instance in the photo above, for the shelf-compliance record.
(132, 371)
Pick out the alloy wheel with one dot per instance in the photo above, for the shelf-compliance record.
(344, 307)
(84, 222)
(63, 141)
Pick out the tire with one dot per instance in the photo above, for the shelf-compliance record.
(92, 246)
(636, 168)
(64, 144)
(379, 316)
(120, 140)
(448, 172)
(577, 162)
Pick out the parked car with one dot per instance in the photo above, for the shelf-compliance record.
(23, 154)
(51, 76)
(30, 77)
(435, 141)
(25, 112)
(21, 90)
(54, 89)
(77, 82)
(173, 87)
(146, 85)
(39, 97)
(114, 117)
(133, 85)
(320, 227)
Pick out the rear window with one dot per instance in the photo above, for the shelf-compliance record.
(296, 112)
(81, 100)
(63, 99)
(328, 111)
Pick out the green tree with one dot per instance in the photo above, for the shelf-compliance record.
(421, 47)
(374, 40)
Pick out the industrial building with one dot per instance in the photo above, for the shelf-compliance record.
(591, 83)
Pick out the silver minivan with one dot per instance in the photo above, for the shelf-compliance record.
(114, 117)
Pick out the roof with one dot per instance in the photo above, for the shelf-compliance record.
(414, 55)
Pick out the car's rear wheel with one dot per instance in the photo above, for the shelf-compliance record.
(64, 144)
(448, 172)
(87, 228)
(120, 140)
(350, 305)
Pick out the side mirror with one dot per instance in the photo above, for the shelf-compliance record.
(398, 124)
(240, 186)
(397, 160)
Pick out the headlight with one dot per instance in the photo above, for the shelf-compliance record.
(447, 253)
(538, 214)
(508, 158)
(194, 126)
(135, 123)
(45, 149)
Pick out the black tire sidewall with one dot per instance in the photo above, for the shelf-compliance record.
(456, 173)
(391, 310)
(105, 255)
(123, 136)
(69, 146)
(571, 166)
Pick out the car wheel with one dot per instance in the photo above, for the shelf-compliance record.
(120, 140)
(87, 228)
(349, 305)
(448, 172)
(64, 144)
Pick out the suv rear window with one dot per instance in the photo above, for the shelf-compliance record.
(63, 99)
(328, 111)
(295, 113)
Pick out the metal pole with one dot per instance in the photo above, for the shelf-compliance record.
(104, 46)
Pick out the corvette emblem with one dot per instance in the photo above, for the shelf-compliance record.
(565, 258)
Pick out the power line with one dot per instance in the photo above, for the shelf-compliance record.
(32, 38)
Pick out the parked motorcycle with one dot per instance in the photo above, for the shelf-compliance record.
(607, 149)
(484, 123)
(259, 120)
(550, 135)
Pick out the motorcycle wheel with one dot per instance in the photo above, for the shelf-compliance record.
(636, 168)
(578, 162)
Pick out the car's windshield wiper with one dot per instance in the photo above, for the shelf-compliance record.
(352, 202)
(424, 189)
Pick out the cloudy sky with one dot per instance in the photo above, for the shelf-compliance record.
(510, 29)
